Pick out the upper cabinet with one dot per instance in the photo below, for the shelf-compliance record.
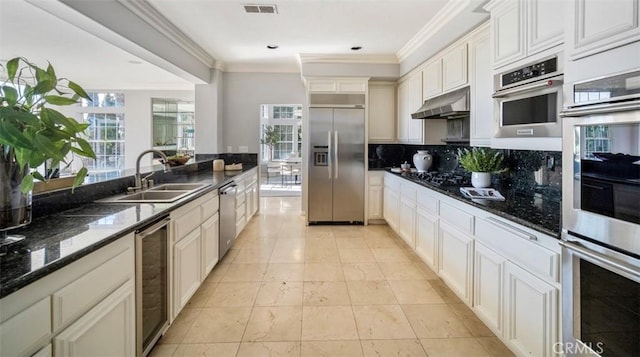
(410, 131)
(602, 25)
(382, 112)
(481, 83)
(346, 85)
(522, 28)
(446, 72)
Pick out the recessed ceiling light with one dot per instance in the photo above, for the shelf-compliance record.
(272, 47)
(356, 48)
(135, 62)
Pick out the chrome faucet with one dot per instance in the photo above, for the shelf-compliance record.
(138, 182)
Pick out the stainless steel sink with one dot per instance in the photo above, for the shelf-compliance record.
(153, 196)
(178, 187)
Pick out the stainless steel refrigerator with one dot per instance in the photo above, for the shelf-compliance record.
(336, 166)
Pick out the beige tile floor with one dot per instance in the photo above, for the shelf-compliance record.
(285, 289)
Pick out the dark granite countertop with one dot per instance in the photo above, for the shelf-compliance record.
(534, 211)
(56, 240)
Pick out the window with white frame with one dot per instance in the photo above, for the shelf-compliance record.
(281, 131)
(105, 116)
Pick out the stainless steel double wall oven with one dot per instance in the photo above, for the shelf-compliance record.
(601, 218)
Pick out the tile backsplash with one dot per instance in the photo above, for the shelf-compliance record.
(528, 171)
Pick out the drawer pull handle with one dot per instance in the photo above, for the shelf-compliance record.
(512, 229)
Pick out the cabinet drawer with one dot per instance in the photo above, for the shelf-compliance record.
(427, 201)
(408, 193)
(78, 297)
(457, 217)
(187, 223)
(376, 180)
(517, 245)
(240, 197)
(240, 185)
(209, 207)
(26, 331)
(393, 183)
(322, 86)
(240, 212)
(352, 86)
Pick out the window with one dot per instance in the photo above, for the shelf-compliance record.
(596, 139)
(106, 131)
(285, 124)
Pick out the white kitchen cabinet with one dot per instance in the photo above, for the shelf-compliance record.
(432, 79)
(108, 329)
(186, 269)
(382, 112)
(531, 313)
(598, 26)
(481, 83)
(488, 281)
(46, 351)
(375, 190)
(407, 219)
(391, 201)
(522, 28)
(454, 68)
(410, 131)
(330, 85)
(455, 260)
(446, 72)
(427, 237)
(209, 232)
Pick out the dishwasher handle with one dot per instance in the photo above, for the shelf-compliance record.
(227, 189)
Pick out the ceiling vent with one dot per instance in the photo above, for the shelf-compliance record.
(260, 9)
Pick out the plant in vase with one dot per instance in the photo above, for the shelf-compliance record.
(481, 162)
(31, 132)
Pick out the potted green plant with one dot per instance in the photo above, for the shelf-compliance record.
(481, 162)
(270, 138)
(32, 132)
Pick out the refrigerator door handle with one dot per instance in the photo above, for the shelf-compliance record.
(336, 153)
(329, 153)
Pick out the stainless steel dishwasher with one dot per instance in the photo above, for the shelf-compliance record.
(227, 195)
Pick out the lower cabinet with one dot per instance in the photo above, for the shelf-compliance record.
(407, 222)
(455, 260)
(186, 269)
(531, 313)
(375, 202)
(507, 273)
(108, 329)
(391, 208)
(427, 238)
(210, 243)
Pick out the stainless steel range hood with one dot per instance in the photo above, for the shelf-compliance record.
(451, 105)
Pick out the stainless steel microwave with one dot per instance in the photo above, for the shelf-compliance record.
(529, 99)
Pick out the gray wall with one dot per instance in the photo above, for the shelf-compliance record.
(242, 95)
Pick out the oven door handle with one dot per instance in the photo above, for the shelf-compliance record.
(546, 83)
(601, 258)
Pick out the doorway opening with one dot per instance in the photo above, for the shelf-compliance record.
(281, 149)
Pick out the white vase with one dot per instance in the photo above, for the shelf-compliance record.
(481, 179)
(422, 160)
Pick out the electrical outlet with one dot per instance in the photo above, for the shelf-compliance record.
(229, 148)
(243, 148)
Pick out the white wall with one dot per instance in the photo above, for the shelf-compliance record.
(242, 95)
(209, 122)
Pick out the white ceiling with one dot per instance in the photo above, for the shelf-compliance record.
(332, 27)
(223, 29)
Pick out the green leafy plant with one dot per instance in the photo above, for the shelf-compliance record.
(31, 132)
(271, 137)
(481, 160)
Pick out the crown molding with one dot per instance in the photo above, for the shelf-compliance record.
(237, 67)
(149, 14)
(346, 58)
(451, 9)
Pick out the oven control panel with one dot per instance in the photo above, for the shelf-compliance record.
(532, 71)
